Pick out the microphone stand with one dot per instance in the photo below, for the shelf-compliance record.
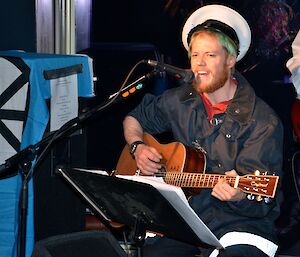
(23, 160)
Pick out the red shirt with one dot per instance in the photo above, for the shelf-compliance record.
(213, 109)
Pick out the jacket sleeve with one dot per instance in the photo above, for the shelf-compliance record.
(261, 151)
(150, 114)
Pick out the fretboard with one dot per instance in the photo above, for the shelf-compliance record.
(196, 180)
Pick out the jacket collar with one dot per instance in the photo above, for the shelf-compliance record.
(242, 105)
(240, 108)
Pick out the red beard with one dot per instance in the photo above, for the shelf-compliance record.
(217, 82)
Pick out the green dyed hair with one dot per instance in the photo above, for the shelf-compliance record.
(224, 40)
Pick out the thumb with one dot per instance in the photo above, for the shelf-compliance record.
(231, 173)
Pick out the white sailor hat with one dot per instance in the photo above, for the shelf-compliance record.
(219, 18)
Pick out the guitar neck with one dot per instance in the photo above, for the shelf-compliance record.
(262, 185)
(196, 180)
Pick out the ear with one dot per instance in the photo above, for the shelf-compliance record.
(231, 60)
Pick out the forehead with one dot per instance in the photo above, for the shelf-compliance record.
(203, 40)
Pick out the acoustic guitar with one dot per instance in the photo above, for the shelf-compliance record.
(184, 167)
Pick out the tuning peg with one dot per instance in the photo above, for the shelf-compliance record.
(259, 198)
(257, 172)
(268, 200)
(251, 197)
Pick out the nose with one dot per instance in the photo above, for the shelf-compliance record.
(200, 61)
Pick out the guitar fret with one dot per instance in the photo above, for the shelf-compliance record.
(189, 180)
(211, 180)
(196, 181)
(174, 179)
(232, 182)
(185, 181)
(202, 180)
(181, 179)
(177, 177)
(193, 180)
(215, 182)
(208, 180)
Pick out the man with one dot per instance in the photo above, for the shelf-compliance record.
(293, 64)
(219, 114)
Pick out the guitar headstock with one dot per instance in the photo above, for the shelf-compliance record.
(259, 185)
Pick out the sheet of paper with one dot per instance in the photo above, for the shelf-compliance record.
(100, 172)
(64, 101)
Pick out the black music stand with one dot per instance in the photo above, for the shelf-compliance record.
(141, 206)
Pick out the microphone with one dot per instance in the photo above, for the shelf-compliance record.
(186, 76)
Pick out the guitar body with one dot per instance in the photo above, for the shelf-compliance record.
(176, 158)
